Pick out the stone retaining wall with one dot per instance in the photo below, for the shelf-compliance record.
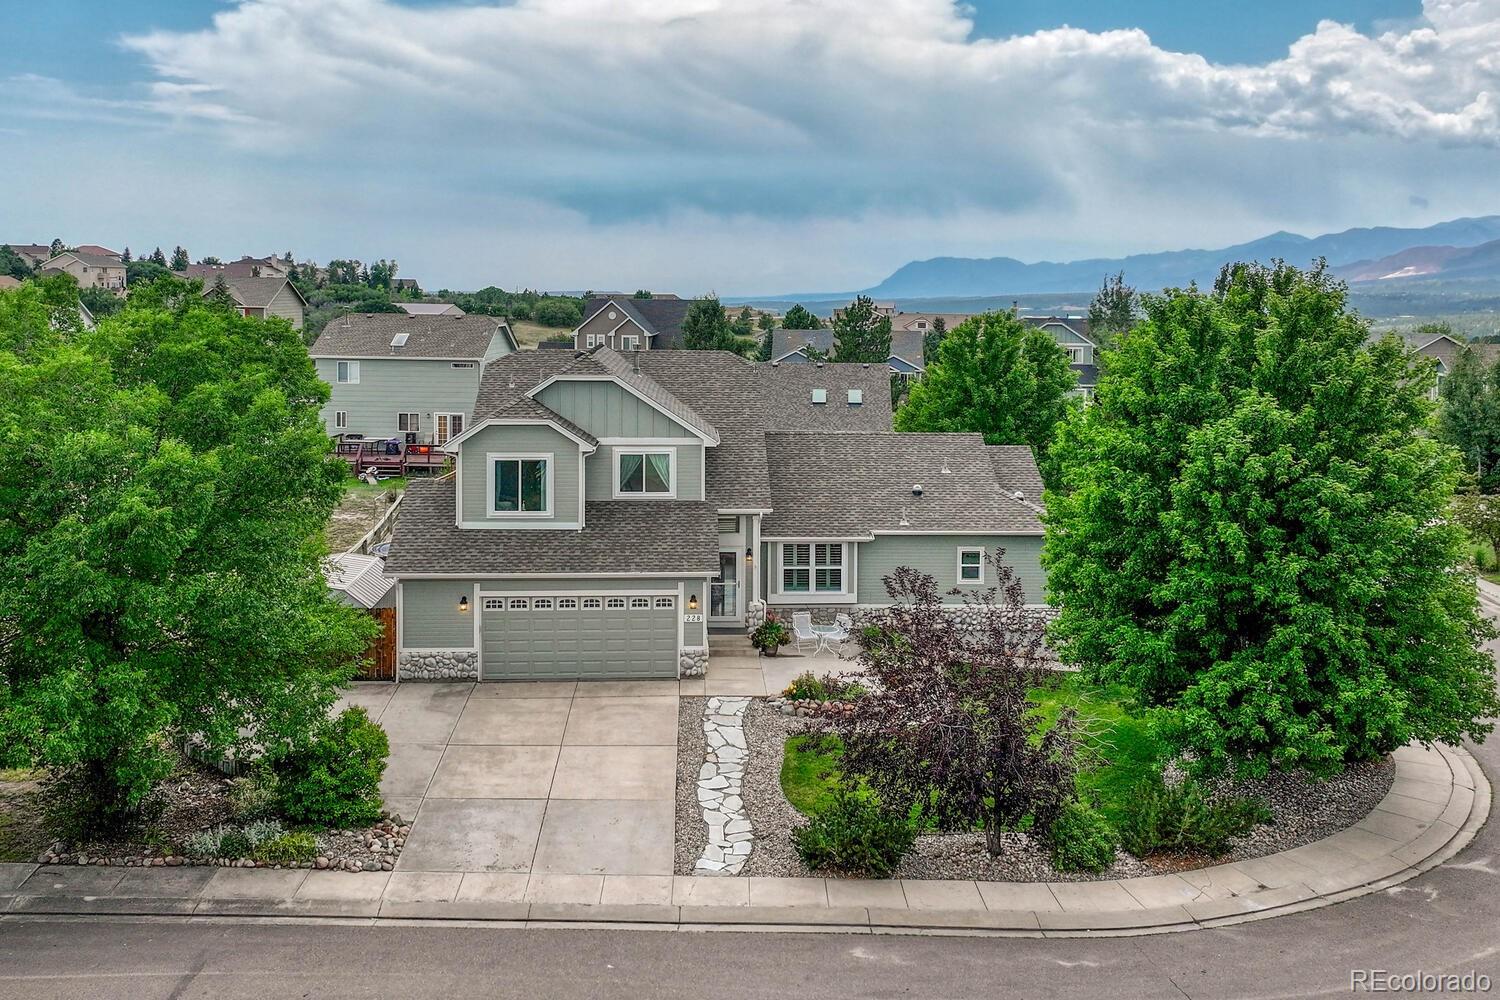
(438, 665)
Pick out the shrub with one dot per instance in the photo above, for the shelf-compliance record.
(1082, 839)
(769, 636)
(203, 844)
(253, 797)
(335, 779)
(287, 849)
(855, 834)
(829, 687)
(262, 830)
(1180, 819)
(233, 843)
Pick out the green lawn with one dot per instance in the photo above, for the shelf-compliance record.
(1119, 747)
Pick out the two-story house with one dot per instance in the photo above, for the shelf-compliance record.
(272, 295)
(1072, 334)
(626, 323)
(92, 270)
(606, 511)
(414, 378)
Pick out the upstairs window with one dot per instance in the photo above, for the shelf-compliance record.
(645, 473)
(346, 372)
(520, 485)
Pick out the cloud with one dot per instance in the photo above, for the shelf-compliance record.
(801, 123)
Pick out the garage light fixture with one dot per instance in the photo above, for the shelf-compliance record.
(693, 603)
(463, 604)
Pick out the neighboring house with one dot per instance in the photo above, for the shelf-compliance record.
(430, 309)
(91, 270)
(880, 309)
(794, 347)
(405, 285)
(607, 510)
(924, 322)
(1072, 334)
(623, 323)
(35, 254)
(245, 267)
(1444, 350)
(264, 297)
(411, 377)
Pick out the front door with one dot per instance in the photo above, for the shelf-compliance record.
(449, 425)
(724, 593)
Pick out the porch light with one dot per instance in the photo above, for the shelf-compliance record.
(463, 604)
(693, 603)
(749, 555)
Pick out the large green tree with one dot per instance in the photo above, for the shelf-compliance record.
(1468, 415)
(13, 264)
(1252, 528)
(799, 318)
(861, 334)
(993, 375)
(706, 328)
(161, 513)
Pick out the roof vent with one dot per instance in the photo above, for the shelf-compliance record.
(1019, 495)
(916, 489)
(399, 340)
(947, 471)
(904, 522)
(856, 397)
(819, 396)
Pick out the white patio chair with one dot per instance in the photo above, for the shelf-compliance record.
(803, 631)
(832, 637)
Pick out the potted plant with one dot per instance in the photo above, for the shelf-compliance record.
(770, 636)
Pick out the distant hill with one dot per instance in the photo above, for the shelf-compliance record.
(1441, 263)
(1365, 249)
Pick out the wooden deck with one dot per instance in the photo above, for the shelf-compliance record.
(391, 458)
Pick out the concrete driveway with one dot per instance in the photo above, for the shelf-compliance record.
(528, 784)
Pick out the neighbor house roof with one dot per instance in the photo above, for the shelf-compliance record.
(245, 267)
(360, 579)
(787, 397)
(661, 317)
(905, 344)
(832, 485)
(667, 537)
(430, 308)
(254, 293)
(603, 361)
(370, 335)
(91, 259)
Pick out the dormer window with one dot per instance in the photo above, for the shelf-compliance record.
(856, 397)
(819, 396)
(645, 472)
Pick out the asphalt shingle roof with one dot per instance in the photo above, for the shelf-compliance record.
(253, 293)
(786, 394)
(670, 537)
(603, 361)
(833, 485)
(662, 317)
(905, 344)
(369, 335)
(1016, 471)
(529, 409)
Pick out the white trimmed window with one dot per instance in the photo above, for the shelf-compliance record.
(494, 604)
(567, 604)
(346, 372)
(971, 566)
(812, 567)
(520, 485)
(542, 604)
(629, 343)
(590, 340)
(645, 472)
(666, 602)
(592, 604)
(616, 603)
(408, 421)
(640, 603)
(519, 604)
(340, 419)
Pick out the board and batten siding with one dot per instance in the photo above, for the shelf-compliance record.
(606, 411)
(514, 439)
(599, 470)
(937, 555)
(431, 619)
(389, 386)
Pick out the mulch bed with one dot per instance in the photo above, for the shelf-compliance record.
(1304, 810)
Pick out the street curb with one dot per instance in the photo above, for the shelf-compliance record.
(1464, 812)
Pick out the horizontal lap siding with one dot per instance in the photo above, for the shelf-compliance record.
(430, 618)
(390, 386)
(937, 555)
(519, 440)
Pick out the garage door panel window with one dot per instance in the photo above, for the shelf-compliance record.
(666, 602)
(592, 604)
(520, 485)
(615, 602)
(639, 603)
(645, 473)
(519, 604)
(567, 604)
(542, 604)
(812, 568)
(494, 604)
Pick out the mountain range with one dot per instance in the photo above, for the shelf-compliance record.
(1459, 249)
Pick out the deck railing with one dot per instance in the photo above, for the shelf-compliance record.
(391, 456)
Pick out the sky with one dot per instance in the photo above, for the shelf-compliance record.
(738, 146)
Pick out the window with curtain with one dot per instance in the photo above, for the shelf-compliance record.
(646, 473)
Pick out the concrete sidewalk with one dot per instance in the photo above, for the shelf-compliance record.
(1438, 802)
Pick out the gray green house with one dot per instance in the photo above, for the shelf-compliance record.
(395, 375)
(607, 511)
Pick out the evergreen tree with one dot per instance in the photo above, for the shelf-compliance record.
(125, 256)
(799, 318)
(1251, 528)
(57, 246)
(765, 323)
(1467, 415)
(180, 259)
(933, 338)
(157, 257)
(1113, 310)
(706, 328)
(861, 335)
